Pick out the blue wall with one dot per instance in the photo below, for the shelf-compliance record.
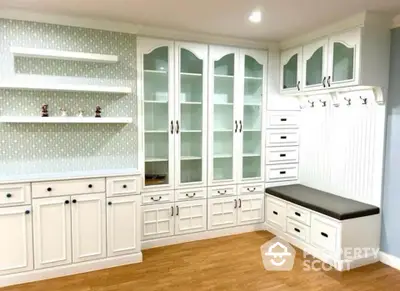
(391, 189)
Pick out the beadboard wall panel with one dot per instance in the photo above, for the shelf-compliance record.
(341, 148)
(53, 148)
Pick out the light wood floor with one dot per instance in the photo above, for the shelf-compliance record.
(228, 263)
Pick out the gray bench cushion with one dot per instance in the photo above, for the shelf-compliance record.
(323, 202)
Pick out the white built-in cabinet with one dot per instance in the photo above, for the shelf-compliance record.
(325, 63)
(16, 241)
(123, 219)
(63, 224)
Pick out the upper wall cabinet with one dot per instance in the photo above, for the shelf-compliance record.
(353, 59)
(291, 69)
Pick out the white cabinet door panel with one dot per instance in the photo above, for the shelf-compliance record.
(123, 225)
(190, 217)
(16, 254)
(88, 227)
(222, 212)
(251, 209)
(52, 232)
(158, 221)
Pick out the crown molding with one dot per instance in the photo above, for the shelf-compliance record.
(127, 27)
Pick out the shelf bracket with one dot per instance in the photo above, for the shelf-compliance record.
(379, 95)
(335, 98)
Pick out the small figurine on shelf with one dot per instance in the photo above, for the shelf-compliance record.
(45, 110)
(98, 111)
(80, 114)
(63, 112)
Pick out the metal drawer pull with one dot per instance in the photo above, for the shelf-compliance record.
(27, 212)
(110, 203)
(251, 190)
(324, 234)
(274, 212)
(159, 198)
(240, 203)
(283, 119)
(282, 172)
(284, 137)
(8, 195)
(190, 196)
(298, 214)
(177, 210)
(235, 204)
(222, 193)
(124, 186)
(296, 229)
(172, 210)
(282, 155)
(172, 127)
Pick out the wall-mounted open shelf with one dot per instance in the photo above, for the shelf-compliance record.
(38, 119)
(65, 87)
(62, 55)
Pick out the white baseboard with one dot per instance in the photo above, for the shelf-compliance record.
(38, 275)
(200, 236)
(389, 260)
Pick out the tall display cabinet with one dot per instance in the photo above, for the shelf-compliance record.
(201, 134)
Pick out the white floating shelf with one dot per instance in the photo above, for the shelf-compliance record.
(66, 87)
(62, 55)
(38, 119)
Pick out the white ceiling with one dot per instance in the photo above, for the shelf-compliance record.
(282, 18)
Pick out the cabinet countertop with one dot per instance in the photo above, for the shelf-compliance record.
(68, 175)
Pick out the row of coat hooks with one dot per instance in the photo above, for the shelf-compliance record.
(363, 100)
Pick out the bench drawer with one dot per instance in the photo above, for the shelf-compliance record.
(123, 186)
(251, 189)
(284, 137)
(221, 191)
(282, 119)
(157, 197)
(298, 230)
(280, 155)
(281, 172)
(15, 194)
(68, 187)
(276, 213)
(191, 194)
(324, 233)
(298, 213)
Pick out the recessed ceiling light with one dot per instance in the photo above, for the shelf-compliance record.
(255, 16)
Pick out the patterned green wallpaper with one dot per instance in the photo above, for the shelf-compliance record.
(52, 148)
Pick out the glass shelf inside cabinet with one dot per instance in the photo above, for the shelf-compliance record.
(156, 134)
(252, 120)
(191, 108)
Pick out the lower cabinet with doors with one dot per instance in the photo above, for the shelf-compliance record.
(65, 223)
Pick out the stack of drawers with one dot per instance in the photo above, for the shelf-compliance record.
(282, 146)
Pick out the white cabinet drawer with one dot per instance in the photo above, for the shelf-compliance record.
(298, 230)
(15, 194)
(298, 213)
(68, 187)
(281, 172)
(123, 186)
(324, 233)
(282, 119)
(251, 189)
(221, 191)
(276, 213)
(157, 197)
(284, 137)
(190, 194)
(281, 155)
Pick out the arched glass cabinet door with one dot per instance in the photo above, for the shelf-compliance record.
(315, 64)
(157, 112)
(221, 122)
(191, 113)
(291, 69)
(251, 124)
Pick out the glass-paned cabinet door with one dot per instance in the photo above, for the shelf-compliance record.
(343, 52)
(315, 64)
(251, 123)
(222, 125)
(158, 105)
(191, 115)
(291, 67)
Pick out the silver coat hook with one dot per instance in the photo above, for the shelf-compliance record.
(364, 100)
(323, 103)
(348, 101)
